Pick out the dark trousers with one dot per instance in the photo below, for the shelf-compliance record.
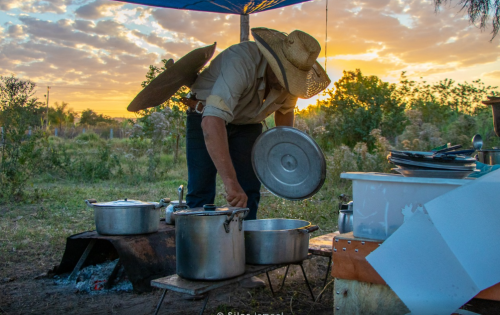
(202, 171)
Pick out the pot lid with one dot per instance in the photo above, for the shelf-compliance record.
(200, 211)
(289, 163)
(125, 203)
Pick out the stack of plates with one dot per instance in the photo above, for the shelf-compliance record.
(430, 164)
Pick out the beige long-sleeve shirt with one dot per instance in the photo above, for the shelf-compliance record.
(232, 87)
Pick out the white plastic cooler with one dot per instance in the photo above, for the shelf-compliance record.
(382, 200)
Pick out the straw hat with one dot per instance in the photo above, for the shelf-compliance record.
(182, 72)
(293, 59)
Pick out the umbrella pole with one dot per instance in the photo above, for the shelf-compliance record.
(244, 27)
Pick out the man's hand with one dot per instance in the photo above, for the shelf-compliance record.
(214, 131)
(236, 197)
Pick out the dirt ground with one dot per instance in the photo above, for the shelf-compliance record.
(26, 288)
(29, 291)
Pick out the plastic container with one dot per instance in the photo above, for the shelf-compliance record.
(381, 201)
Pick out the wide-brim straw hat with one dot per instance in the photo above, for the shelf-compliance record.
(183, 72)
(492, 100)
(293, 60)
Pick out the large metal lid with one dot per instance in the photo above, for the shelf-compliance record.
(218, 211)
(123, 203)
(289, 163)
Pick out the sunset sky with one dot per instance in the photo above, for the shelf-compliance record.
(95, 54)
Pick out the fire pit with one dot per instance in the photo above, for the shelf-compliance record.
(144, 257)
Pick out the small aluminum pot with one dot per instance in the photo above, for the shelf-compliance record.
(126, 217)
(210, 243)
(345, 219)
(489, 156)
(276, 241)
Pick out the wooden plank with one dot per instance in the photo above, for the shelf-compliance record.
(492, 293)
(349, 264)
(322, 245)
(193, 287)
(350, 237)
(349, 259)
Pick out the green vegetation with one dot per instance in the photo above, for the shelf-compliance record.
(91, 118)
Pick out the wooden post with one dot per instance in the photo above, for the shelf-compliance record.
(244, 27)
(111, 133)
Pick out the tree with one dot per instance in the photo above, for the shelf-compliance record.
(357, 105)
(61, 114)
(479, 10)
(167, 119)
(90, 118)
(444, 100)
(19, 112)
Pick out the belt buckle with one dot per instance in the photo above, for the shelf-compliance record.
(196, 108)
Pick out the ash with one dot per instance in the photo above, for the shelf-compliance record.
(92, 279)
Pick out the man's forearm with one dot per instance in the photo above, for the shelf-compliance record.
(214, 131)
(283, 119)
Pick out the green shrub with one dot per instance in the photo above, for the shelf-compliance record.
(89, 136)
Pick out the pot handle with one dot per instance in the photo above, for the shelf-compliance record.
(89, 202)
(228, 220)
(163, 203)
(309, 229)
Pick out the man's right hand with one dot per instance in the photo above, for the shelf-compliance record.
(236, 197)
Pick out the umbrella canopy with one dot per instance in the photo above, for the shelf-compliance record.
(220, 6)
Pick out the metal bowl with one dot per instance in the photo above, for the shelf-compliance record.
(276, 241)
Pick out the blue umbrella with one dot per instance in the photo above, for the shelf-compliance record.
(242, 7)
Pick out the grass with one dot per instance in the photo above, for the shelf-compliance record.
(34, 233)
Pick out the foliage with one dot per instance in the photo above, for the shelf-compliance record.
(359, 104)
(19, 142)
(418, 135)
(61, 114)
(90, 118)
(444, 100)
(479, 11)
(88, 136)
(163, 124)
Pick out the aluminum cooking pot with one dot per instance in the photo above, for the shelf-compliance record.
(276, 241)
(126, 217)
(490, 156)
(175, 205)
(345, 220)
(210, 243)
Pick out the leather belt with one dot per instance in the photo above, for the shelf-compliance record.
(194, 104)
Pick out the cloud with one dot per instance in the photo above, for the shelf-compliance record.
(35, 6)
(106, 46)
(96, 9)
(493, 74)
(15, 31)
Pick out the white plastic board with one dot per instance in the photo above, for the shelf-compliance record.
(420, 268)
(437, 262)
(468, 218)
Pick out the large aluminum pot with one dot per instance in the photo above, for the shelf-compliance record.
(276, 241)
(210, 243)
(126, 217)
(490, 156)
